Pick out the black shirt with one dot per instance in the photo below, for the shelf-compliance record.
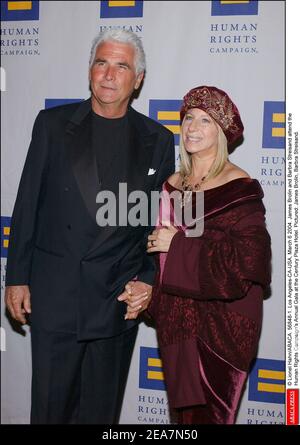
(109, 139)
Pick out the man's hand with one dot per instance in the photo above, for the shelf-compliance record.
(17, 300)
(137, 295)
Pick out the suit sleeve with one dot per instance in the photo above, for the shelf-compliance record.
(219, 267)
(167, 167)
(25, 213)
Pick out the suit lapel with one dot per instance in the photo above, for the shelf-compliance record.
(140, 153)
(82, 158)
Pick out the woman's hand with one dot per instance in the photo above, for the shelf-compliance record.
(160, 239)
(137, 296)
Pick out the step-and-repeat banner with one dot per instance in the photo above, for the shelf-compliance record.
(237, 46)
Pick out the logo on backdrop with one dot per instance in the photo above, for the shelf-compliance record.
(151, 374)
(152, 404)
(19, 10)
(266, 393)
(274, 125)
(272, 169)
(50, 103)
(5, 232)
(19, 39)
(234, 7)
(121, 9)
(267, 381)
(166, 112)
(236, 35)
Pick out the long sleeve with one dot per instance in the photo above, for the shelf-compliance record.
(22, 235)
(222, 263)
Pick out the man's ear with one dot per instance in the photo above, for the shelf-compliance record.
(139, 80)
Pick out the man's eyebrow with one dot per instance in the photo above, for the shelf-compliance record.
(123, 63)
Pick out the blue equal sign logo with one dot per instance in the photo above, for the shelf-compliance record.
(50, 103)
(19, 10)
(274, 125)
(117, 9)
(234, 7)
(167, 113)
(151, 374)
(5, 232)
(267, 381)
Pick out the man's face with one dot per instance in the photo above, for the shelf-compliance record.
(113, 78)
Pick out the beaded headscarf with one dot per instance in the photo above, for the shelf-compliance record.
(219, 106)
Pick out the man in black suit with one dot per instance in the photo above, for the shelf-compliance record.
(64, 270)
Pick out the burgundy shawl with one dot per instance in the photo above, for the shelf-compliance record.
(207, 301)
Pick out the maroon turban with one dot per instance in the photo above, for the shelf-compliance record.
(219, 106)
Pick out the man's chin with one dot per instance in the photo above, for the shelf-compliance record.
(107, 98)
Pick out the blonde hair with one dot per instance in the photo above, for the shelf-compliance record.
(218, 164)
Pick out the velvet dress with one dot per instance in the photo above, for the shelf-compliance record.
(207, 303)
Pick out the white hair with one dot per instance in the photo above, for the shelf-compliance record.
(122, 36)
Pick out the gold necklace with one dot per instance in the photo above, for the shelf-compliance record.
(188, 189)
(187, 186)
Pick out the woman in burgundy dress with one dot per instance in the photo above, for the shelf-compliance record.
(207, 300)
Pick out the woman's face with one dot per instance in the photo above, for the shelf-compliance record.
(199, 132)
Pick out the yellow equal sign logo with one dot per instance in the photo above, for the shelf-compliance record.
(271, 375)
(274, 124)
(233, 2)
(113, 3)
(119, 8)
(155, 375)
(170, 116)
(6, 232)
(167, 113)
(151, 375)
(20, 10)
(231, 7)
(267, 381)
(19, 6)
(278, 131)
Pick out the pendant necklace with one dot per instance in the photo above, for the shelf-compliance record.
(188, 188)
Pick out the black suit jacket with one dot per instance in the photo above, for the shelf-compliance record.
(74, 268)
